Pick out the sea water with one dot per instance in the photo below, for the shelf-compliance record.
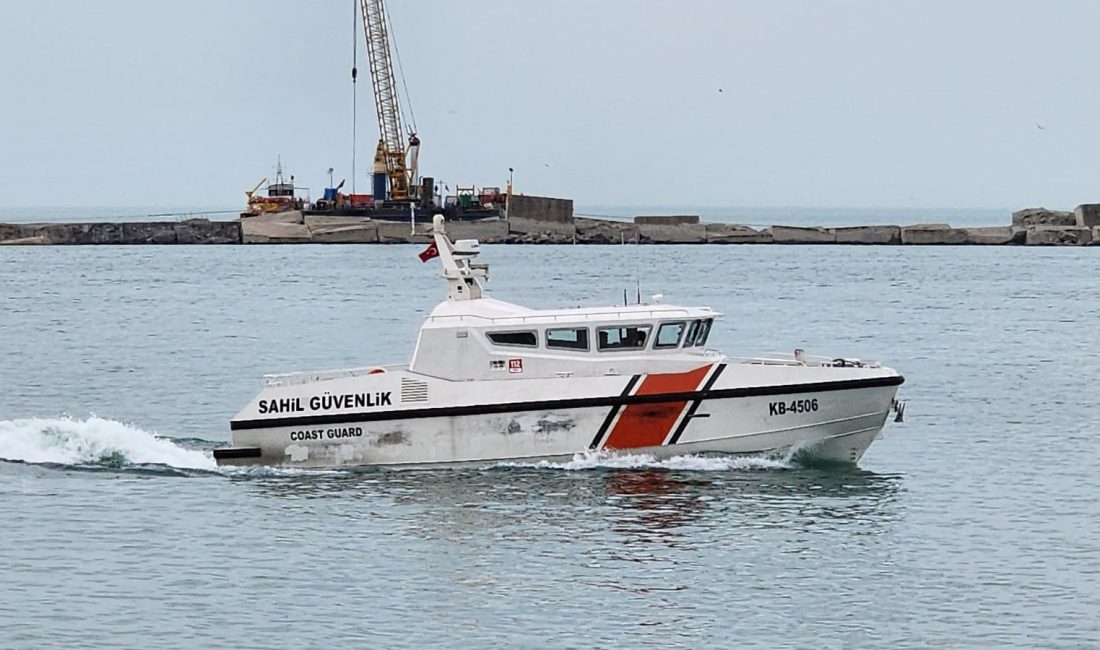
(975, 523)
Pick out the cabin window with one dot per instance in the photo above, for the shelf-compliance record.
(668, 335)
(693, 331)
(522, 339)
(627, 337)
(568, 339)
(704, 332)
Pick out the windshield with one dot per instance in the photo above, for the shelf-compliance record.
(704, 332)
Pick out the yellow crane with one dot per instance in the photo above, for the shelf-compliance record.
(398, 160)
(252, 191)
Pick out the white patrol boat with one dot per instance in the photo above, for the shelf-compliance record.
(493, 381)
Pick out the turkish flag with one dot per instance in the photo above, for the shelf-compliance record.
(429, 252)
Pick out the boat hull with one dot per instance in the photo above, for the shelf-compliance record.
(835, 422)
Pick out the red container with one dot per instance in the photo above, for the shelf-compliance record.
(361, 200)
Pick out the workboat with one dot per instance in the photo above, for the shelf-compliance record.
(280, 195)
(493, 381)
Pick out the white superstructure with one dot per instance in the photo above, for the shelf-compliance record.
(490, 380)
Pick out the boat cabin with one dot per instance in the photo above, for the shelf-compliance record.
(471, 337)
(490, 339)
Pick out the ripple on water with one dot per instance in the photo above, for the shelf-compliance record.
(973, 524)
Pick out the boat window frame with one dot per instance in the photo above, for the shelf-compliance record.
(657, 345)
(692, 333)
(526, 346)
(568, 348)
(704, 333)
(647, 327)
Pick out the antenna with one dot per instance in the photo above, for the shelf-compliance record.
(638, 264)
(354, 86)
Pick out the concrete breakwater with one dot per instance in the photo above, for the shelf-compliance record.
(1037, 226)
(192, 231)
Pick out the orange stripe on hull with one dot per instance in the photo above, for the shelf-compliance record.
(644, 425)
(648, 425)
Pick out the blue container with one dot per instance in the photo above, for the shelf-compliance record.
(330, 193)
(379, 186)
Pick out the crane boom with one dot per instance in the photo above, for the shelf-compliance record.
(391, 142)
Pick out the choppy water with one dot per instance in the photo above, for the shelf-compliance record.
(975, 523)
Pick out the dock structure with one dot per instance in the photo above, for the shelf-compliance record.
(545, 220)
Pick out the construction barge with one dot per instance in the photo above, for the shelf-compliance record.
(281, 195)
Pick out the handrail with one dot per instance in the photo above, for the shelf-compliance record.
(307, 376)
(578, 317)
(811, 361)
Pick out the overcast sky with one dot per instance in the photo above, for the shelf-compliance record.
(930, 103)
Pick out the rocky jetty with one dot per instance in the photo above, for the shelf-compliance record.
(191, 231)
(1042, 217)
(1087, 216)
(881, 235)
(551, 221)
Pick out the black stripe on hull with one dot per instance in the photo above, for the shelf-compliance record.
(695, 405)
(223, 453)
(612, 413)
(580, 402)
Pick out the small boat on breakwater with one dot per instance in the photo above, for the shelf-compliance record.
(492, 381)
(280, 196)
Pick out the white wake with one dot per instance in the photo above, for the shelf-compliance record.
(603, 459)
(65, 441)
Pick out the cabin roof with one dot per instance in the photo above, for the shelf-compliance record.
(489, 312)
